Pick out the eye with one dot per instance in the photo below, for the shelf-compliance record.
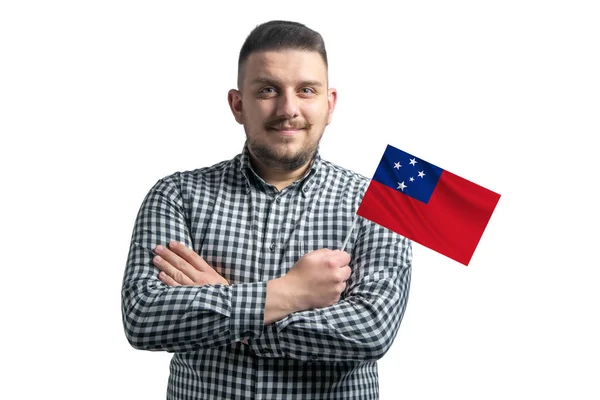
(307, 90)
(267, 90)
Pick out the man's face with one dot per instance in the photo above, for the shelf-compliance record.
(284, 105)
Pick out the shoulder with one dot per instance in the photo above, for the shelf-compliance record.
(181, 182)
(344, 178)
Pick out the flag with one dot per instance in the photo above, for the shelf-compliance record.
(429, 205)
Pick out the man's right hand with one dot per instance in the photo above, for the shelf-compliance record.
(317, 280)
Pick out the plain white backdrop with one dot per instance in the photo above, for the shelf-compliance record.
(98, 100)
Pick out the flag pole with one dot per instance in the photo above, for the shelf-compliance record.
(349, 233)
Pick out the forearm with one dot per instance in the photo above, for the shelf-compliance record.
(360, 327)
(185, 318)
(363, 325)
(278, 303)
(159, 317)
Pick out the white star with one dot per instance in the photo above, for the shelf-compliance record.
(397, 165)
(401, 186)
(413, 161)
(421, 174)
(412, 179)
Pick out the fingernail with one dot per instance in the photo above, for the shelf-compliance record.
(173, 243)
(159, 248)
(157, 259)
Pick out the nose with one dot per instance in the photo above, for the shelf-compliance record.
(287, 105)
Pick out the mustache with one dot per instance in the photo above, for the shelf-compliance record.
(284, 123)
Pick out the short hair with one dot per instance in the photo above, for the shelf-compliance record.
(281, 35)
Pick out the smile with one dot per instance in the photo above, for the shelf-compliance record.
(287, 131)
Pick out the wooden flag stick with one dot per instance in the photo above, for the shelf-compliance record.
(350, 232)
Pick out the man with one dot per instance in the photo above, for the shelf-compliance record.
(254, 296)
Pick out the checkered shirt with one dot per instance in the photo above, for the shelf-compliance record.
(250, 233)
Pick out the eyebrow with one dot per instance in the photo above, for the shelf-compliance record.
(268, 81)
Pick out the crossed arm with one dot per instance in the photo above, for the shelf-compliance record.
(299, 315)
(316, 280)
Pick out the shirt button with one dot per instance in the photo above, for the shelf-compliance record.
(278, 200)
(272, 246)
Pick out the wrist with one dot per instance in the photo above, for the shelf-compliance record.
(280, 301)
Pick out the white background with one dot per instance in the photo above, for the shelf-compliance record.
(98, 100)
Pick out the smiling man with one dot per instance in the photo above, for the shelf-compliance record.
(236, 267)
(284, 104)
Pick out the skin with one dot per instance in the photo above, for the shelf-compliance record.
(284, 104)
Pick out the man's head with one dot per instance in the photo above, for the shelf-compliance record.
(283, 99)
(280, 35)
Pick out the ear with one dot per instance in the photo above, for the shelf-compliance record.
(234, 97)
(331, 102)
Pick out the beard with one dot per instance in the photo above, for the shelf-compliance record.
(287, 162)
(282, 159)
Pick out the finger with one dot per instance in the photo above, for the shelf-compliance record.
(345, 273)
(189, 255)
(342, 257)
(323, 251)
(338, 259)
(166, 279)
(175, 261)
(175, 274)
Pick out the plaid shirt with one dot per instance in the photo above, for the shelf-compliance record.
(250, 233)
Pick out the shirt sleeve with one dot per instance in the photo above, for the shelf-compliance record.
(364, 323)
(183, 318)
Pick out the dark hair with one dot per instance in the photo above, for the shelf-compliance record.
(281, 35)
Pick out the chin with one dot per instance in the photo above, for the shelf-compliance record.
(286, 159)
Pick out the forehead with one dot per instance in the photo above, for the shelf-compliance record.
(286, 66)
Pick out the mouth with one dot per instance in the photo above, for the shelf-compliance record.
(287, 131)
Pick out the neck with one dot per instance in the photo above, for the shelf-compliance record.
(279, 177)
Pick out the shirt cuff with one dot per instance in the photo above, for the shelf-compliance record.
(268, 344)
(247, 310)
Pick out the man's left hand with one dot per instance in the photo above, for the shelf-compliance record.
(180, 265)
